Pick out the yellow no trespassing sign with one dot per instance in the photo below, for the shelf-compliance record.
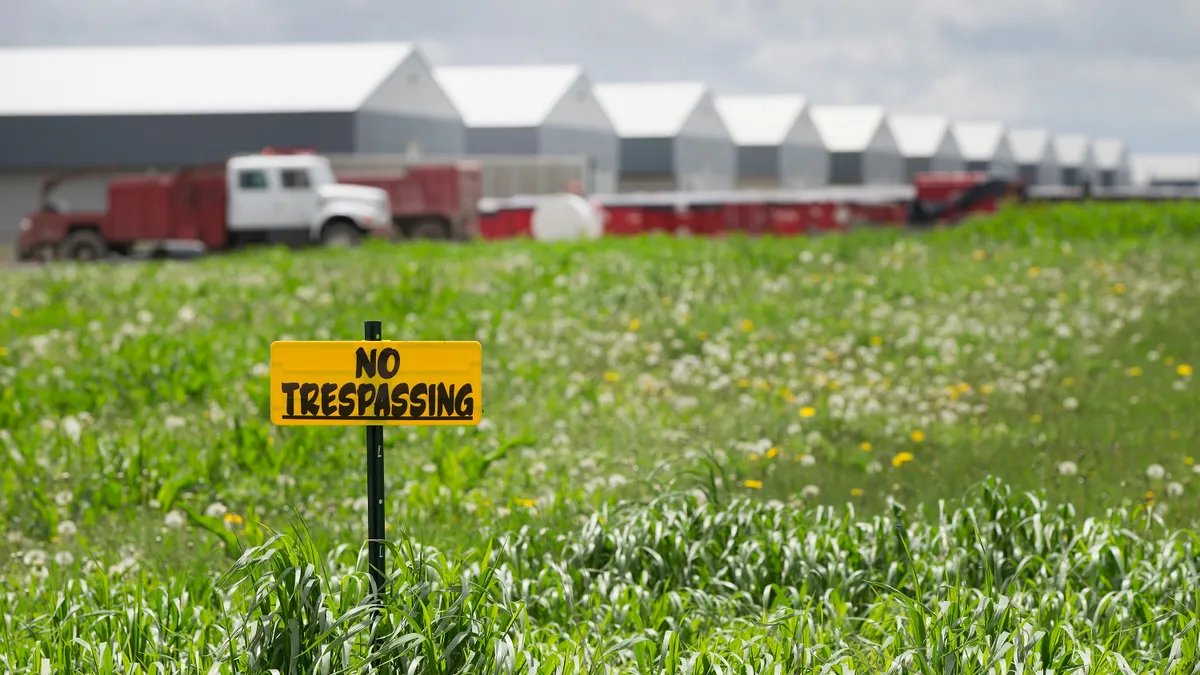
(351, 383)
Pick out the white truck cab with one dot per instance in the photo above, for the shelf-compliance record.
(295, 198)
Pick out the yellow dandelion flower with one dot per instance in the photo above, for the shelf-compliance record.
(753, 484)
(917, 435)
(1035, 418)
(611, 376)
(876, 341)
(754, 457)
(1189, 461)
(865, 446)
(1149, 495)
(1068, 381)
(233, 519)
(1173, 434)
(963, 387)
(527, 503)
(979, 254)
(747, 325)
(702, 335)
(856, 492)
(1118, 288)
(1184, 370)
(901, 459)
(16, 311)
(634, 325)
(986, 389)
(1034, 271)
(808, 411)
(772, 453)
(1134, 372)
(3, 351)
(743, 383)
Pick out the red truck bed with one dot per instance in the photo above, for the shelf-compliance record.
(445, 194)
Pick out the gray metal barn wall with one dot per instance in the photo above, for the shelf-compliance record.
(943, 163)
(846, 168)
(502, 141)
(409, 108)
(642, 158)
(388, 133)
(803, 165)
(602, 148)
(883, 168)
(703, 163)
(137, 140)
(756, 162)
(915, 165)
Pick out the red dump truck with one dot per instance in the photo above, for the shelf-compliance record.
(274, 197)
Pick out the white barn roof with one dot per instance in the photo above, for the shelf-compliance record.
(1109, 153)
(847, 128)
(650, 109)
(167, 80)
(1029, 146)
(919, 135)
(1147, 168)
(506, 96)
(760, 120)
(1072, 149)
(978, 141)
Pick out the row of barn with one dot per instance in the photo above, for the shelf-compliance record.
(165, 107)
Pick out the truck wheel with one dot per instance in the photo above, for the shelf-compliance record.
(83, 245)
(429, 229)
(340, 234)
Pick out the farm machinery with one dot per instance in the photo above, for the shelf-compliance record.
(936, 198)
(933, 199)
(278, 196)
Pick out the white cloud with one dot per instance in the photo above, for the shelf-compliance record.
(1103, 67)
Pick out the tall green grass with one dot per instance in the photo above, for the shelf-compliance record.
(680, 584)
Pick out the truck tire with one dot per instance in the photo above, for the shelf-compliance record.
(341, 233)
(429, 229)
(83, 245)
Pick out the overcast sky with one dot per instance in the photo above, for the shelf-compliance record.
(1125, 68)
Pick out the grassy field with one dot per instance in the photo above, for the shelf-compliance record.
(963, 451)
